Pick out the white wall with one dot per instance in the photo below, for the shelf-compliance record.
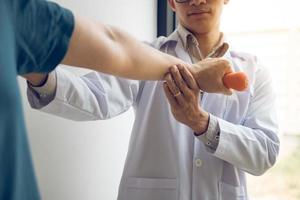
(76, 161)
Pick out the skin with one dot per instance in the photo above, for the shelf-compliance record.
(202, 18)
(183, 95)
(110, 50)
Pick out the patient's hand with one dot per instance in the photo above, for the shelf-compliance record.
(209, 75)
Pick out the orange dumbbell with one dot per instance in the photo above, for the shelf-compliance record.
(236, 80)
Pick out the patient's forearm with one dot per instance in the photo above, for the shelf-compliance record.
(110, 50)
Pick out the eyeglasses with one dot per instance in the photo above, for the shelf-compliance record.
(182, 1)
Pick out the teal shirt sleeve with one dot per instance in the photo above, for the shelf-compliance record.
(43, 31)
(34, 37)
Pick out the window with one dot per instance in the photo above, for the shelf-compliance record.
(165, 18)
(270, 29)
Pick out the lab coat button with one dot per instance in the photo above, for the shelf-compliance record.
(198, 162)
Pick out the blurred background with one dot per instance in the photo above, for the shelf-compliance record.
(270, 29)
(85, 160)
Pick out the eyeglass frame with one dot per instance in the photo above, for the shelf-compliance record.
(182, 1)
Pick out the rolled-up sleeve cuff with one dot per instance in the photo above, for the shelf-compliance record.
(38, 97)
(227, 135)
(211, 137)
(49, 87)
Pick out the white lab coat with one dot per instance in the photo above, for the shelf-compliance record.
(165, 160)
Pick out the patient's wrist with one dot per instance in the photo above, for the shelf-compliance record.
(195, 70)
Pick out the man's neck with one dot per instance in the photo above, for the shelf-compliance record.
(207, 41)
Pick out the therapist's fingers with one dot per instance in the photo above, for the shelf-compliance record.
(188, 77)
(175, 91)
(170, 96)
(169, 80)
(182, 85)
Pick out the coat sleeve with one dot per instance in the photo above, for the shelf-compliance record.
(95, 96)
(253, 146)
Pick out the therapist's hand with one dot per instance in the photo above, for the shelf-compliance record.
(183, 95)
(209, 74)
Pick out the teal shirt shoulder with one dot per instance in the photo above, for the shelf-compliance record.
(34, 37)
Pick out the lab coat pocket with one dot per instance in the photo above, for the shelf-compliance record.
(227, 191)
(151, 189)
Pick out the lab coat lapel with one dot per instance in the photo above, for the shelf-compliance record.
(179, 49)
